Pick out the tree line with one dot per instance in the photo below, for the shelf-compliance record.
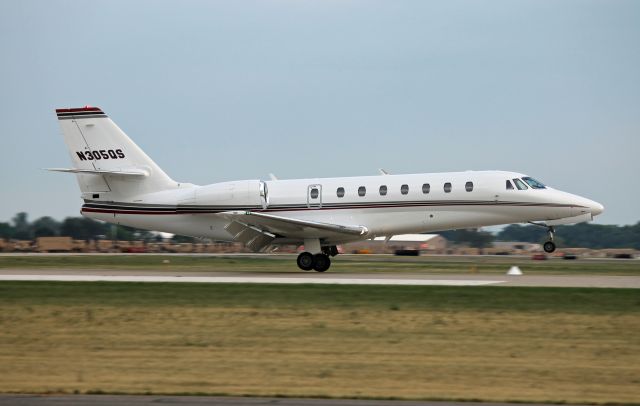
(585, 235)
(78, 228)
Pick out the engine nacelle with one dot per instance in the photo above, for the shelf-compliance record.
(237, 194)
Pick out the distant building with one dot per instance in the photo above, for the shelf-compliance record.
(424, 243)
(512, 247)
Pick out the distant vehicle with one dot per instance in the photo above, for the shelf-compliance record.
(539, 257)
(362, 251)
(120, 184)
(570, 256)
(623, 256)
(407, 252)
(134, 250)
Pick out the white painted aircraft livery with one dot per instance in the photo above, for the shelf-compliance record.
(120, 184)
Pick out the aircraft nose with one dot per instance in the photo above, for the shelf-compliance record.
(584, 205)
(595, 208)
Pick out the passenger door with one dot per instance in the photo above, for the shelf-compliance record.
(314, 196)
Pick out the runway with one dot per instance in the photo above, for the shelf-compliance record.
(243, 279)
(93, 400)
(405, 279)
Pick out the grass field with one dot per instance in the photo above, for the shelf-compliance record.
(342, 264)
(506, 343)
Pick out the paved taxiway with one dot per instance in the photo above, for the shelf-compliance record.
(93, 400)
(598, 281)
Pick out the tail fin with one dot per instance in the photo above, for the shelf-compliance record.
(108, 165)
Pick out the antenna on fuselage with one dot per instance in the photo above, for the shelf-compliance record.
(383, 171)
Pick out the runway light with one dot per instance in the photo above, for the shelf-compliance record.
(514, 271)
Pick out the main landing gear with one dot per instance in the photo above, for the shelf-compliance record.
(548, 246)
(318, 262)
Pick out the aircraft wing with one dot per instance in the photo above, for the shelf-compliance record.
(257, 230)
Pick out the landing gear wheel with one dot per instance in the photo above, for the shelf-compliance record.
(321, 262)
(305, 261)
(549, 247)
(332, 250)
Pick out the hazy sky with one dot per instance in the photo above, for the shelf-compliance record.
(215, 91)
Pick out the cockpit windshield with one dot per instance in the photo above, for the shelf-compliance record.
(533, 183)
(520, 184)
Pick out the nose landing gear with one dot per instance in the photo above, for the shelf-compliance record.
(548, 246)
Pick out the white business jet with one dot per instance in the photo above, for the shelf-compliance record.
(120, 184)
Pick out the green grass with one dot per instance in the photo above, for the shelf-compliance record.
(128, 262)
(575, 345)
(376, 297)
(341, 264)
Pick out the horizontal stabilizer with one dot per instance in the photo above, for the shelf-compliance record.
(123, 172)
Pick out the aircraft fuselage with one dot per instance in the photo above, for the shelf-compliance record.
(412, 203)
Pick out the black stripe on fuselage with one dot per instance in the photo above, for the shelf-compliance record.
(137, 208)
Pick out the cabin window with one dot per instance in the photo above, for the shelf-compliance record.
(383, 190)
(404, 189)
(509, 185)
(468, 186)
(520, 184)
(533, 183)
(314, 193)
(362, 191)
(426, 188)
(340, 192)
(447, 187)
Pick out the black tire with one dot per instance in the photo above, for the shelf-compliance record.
(306, 261)
(321, 262)
(549, 247)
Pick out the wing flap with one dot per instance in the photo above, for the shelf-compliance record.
(252, 237)
(288, 226)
